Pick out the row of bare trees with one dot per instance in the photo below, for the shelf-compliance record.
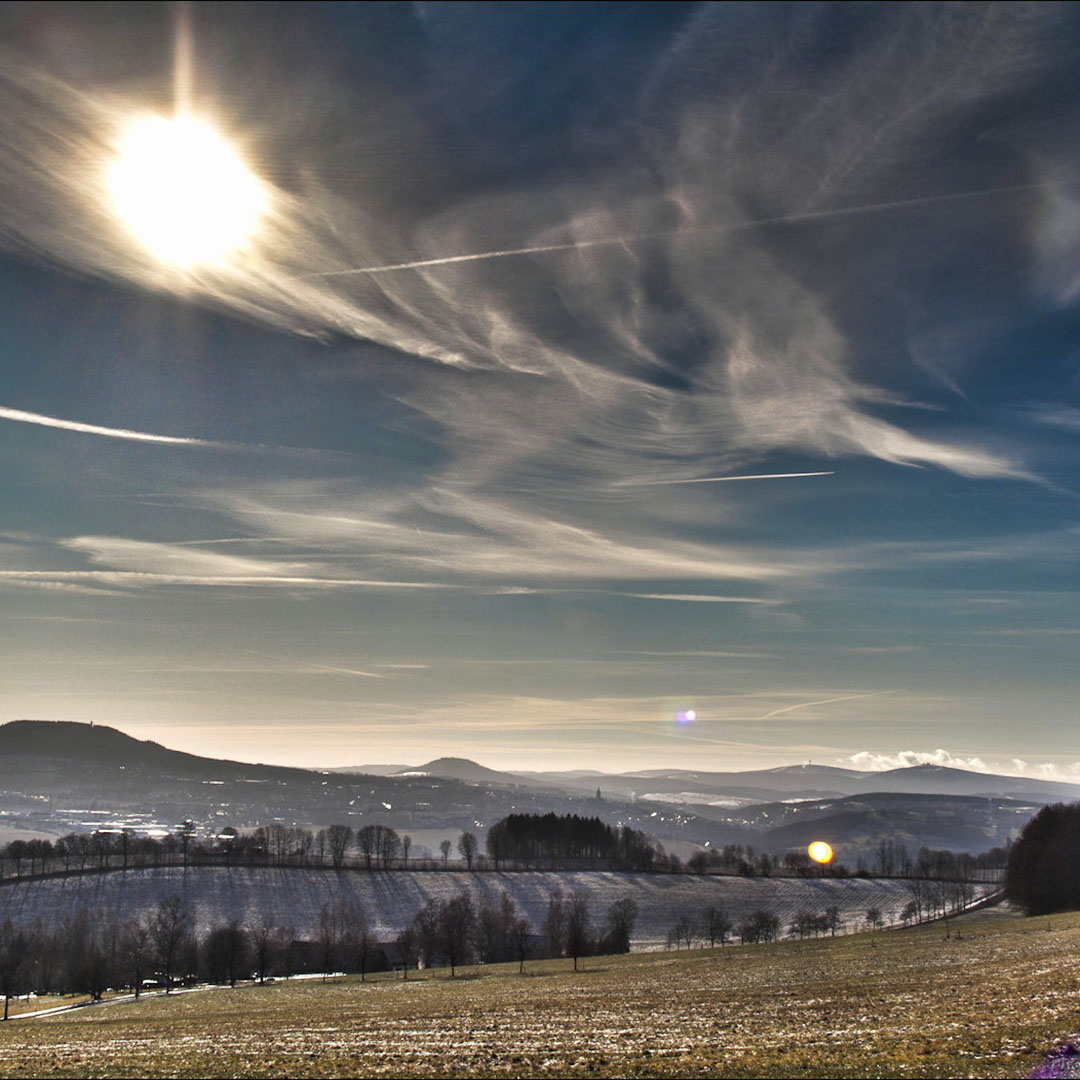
(716, 927)
(373, 847)
(89, 952)
(92, 952)
(520, 841)
(465, 929)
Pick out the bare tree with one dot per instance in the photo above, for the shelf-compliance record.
(555, 923)
(918, 888)
(497, 842)
(126, 836)
(521, 936)
(426, 924)
(278, 840)
(457, 918)
(338, 839)
(328, 934)
(406, 844)
(13, 952)
(467, 845)
(304, 842)
(358, 940)
(408, 946)
(619, 925)
(93, 944)
(388, 844)
(268, 943)
(760, 925)
(137, 945)
(682, 931)
(875, 920)
(579, 936)
(43, 961)
(226, 952)
(831, 917)
(716, 925)
(367, 842)
(170, 929)
(489, 932)
(444, 847)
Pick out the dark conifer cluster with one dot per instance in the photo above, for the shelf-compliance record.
(569, 842)
(1043, 872)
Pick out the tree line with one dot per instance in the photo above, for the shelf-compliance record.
(373, 847)
(465, 929)
(716, 927)
(90, 952)
(931, 898)
(518, 841)
(95, 952)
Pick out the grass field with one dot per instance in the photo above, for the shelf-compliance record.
(988, 1003)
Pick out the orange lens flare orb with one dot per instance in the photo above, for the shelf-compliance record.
(820, 852)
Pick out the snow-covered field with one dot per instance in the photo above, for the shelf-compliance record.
(292, 897)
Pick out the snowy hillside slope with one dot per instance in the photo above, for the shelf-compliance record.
(294, 897)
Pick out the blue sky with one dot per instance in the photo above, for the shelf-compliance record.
(760, 397)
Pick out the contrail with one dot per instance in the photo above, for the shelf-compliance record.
(317, 667)
(22, 417)
(825, 701)
(724, 479)
(612, 241)
(345, 671)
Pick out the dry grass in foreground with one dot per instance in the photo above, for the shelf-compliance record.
(987, 1004)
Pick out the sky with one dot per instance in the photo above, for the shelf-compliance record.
(604, 386)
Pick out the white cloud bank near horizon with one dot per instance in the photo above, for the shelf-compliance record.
(872, 761)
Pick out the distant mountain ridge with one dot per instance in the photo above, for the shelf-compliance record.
(803, 781)
(107, 745)
(58, 776)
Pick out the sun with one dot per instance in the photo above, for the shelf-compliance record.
(820, 852)
(183, 192)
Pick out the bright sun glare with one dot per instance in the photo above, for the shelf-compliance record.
(183, 192)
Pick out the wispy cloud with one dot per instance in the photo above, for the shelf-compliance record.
(773, 368)
(623, 241)
(445, 530)
(145, 579)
